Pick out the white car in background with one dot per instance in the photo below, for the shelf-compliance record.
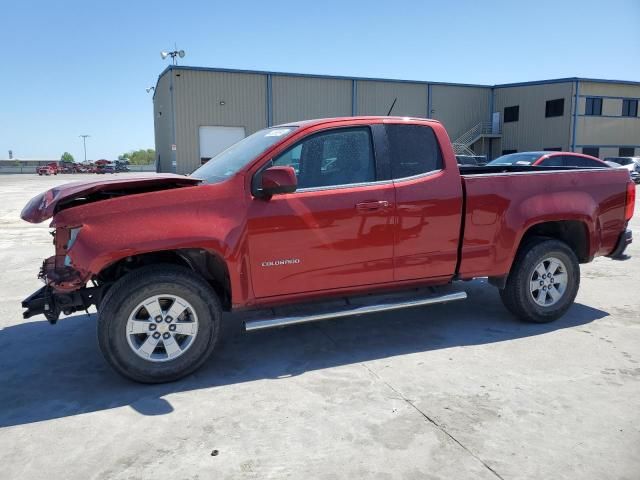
(630, 163)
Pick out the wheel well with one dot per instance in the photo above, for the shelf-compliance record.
(572, 232)
(209, 265)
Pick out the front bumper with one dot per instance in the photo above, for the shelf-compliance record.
(51, 303)
(624, 240)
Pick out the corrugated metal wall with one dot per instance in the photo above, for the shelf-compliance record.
(460, 108)
(610, 130)
(533, 131)
(162, 118)
(303, 98)
(376, 98)
(215, 98)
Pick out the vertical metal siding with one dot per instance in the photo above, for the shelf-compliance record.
(197, 97)
(459, 108)
(375, 98)
(301, 98)
(533, 131)
(611, 128)
(162, 117)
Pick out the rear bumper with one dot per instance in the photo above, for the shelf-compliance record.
(624, 240)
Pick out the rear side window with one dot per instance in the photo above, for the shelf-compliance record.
(414, 150)
(574, 161)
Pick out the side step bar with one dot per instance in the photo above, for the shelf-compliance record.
(264, 323)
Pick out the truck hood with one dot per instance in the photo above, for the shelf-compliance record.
(45, 205)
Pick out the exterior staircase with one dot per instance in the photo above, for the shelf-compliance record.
(462, 144)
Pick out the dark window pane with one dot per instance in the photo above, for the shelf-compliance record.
(629, 108)
(414, 150)
(593, 151)
(511, 114)
(594, 106)
(553, 149)
(508, 152)
(554, 108)
(339, 157)
(555, 161)
(575, 161)
(626, 151)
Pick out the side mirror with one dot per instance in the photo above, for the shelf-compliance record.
(277, 180)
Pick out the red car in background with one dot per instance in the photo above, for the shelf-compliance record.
(549, 159)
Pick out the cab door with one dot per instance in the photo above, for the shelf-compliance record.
(336, 231)
(428, 204)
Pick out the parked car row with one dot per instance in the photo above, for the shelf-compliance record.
(100, 166)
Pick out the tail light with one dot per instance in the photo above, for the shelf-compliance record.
(631, 201)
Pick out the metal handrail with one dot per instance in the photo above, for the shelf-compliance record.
(471, 135)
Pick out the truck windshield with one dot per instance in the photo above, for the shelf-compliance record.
(516, 159)
(230, 161)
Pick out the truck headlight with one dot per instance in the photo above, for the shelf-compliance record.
(73, 234)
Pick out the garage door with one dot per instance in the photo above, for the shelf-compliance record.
(213, 140)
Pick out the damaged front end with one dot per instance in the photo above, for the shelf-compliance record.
(65, 289)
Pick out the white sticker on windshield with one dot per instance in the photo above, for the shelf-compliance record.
(523, 162)
(278, 133)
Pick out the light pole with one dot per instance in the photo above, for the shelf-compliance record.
(84, 144)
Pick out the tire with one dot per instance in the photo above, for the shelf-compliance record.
(117, 317)
(540, 306)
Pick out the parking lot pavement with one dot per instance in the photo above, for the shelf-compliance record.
(450, 391)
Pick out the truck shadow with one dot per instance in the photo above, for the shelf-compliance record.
(53, 372)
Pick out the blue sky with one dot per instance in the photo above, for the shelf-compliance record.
(70, 68)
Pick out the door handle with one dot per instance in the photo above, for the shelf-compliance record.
(372, 206)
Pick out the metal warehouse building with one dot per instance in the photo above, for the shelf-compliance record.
(198, 112)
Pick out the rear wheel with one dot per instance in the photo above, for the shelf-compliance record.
(543, 282)
(158, 323)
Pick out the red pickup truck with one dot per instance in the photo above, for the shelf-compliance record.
(338, 216)
(48, 169)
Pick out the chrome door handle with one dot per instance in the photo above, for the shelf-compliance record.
(371, 206)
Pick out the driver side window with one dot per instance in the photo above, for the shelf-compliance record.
(338, 157)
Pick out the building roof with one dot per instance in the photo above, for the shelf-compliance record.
(392, 80)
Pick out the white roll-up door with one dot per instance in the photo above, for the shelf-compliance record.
(213, 140)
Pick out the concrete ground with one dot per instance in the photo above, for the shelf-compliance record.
(452, 391)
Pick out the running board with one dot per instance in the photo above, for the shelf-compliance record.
(264, 323)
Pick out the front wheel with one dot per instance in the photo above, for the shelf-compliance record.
(543, 282)
(158, 324)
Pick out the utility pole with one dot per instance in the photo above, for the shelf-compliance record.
(84, 144)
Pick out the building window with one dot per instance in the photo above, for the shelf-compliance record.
(626, 152)
(594, 106)
(593, 151)
(554, 108)
(553, 149)
(508, 152)
(629, 108)
(511, 114)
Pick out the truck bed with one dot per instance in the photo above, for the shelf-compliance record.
(503, 202)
